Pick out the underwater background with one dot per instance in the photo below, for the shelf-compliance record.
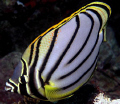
(20, 25)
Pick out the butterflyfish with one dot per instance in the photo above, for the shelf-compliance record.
(63, 58)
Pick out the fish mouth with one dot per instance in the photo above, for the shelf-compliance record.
(8, 87)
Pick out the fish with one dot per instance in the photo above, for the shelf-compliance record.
(64, 57)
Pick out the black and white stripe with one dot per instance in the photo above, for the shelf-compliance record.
(68, 59)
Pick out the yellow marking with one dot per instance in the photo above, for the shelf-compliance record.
(52, 92)
(23, 66)
(105, 34)
(27, 54)
(48, 36)
(104, 17)
(41, 91)
(64, 21)
(13, 82)
(34, 52)
(45, 44)
(102, 13)
(28, 89)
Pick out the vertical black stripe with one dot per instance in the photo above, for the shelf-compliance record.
(92, 23)
(24, 67)
(48, 54)
(94, 62)
(32, 71)
(23, 90)
(91, 18)
(98, 15)
(65, 51)
(31, 54)
(103, 7)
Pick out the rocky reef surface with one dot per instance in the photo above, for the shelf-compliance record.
(7, 65)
